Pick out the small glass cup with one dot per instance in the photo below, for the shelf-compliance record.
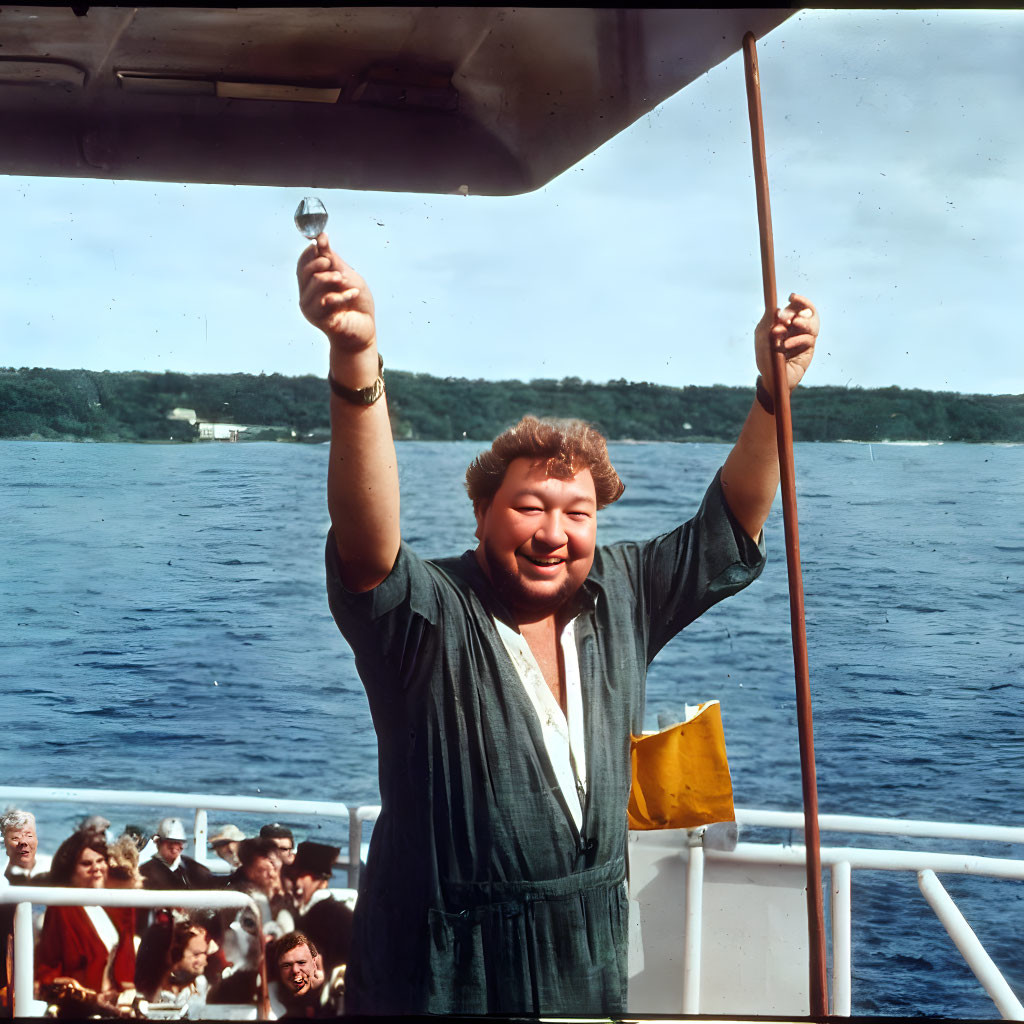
(311, 217)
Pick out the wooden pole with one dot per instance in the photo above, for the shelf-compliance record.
(784, 432)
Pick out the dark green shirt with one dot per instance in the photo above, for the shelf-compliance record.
(480, 894)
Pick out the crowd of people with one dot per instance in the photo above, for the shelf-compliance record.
(171, 962)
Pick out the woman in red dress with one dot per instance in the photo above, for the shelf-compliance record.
(89, 948)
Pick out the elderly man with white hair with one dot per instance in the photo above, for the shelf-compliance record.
(25, 866)
(24, 862)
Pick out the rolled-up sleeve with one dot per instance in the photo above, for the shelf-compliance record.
(385, 626)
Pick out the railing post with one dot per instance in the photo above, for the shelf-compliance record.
(967, 942)
(200, 832)
(694, 924)
(841, 960)
(355, 845)
(24, 960)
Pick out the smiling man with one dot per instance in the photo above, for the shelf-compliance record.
(505, 683)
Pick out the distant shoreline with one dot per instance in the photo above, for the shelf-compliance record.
(471, 440)
(161, 408)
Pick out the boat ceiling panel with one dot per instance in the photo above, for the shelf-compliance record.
(490, 100)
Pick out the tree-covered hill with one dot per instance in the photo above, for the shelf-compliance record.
(105, 406)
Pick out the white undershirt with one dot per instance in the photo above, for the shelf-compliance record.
(104, 926)
(317, 897)
(563, 739)
(108, 935)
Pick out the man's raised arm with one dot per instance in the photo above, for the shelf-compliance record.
(362, 474)
(750, 476)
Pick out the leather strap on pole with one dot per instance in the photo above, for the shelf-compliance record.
(784, 431)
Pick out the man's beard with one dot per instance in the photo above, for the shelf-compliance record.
(526, 607)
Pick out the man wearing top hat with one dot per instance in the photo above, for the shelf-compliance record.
(169, 868)
(326, 920)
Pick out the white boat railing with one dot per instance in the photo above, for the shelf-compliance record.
(925, 865)
(23, 896)
(967, 942)
(883, 826)
(198, 803)
(841, 862)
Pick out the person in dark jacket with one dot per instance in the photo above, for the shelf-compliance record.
(318, 914)
(260, 877)
(169, 868)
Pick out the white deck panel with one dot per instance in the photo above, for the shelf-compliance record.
(753, 942)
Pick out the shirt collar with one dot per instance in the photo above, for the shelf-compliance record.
(318, 897)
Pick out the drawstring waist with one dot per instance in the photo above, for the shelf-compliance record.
(459, 896)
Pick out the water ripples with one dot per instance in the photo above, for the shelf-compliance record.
(125, 605)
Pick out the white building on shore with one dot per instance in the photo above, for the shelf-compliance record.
(208, 431)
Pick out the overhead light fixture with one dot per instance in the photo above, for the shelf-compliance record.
(269, 91)
(406, 86)
(141, 81)
(14, 71)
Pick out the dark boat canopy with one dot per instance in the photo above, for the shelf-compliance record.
(486, 100)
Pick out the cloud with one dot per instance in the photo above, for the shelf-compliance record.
(894, 161)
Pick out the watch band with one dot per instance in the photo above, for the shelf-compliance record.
(361, 396)
(764, 396)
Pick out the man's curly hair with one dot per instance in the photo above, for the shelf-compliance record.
(569, 446)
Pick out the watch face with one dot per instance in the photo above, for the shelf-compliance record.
(358, 396)
(371, 394)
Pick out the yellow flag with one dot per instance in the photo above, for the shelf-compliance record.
(681, 774)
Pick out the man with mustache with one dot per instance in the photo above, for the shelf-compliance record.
(504, 684)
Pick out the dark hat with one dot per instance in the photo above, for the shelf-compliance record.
(316, 859)
(137, 835)
(276, 831)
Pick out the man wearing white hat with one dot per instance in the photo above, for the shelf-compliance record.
(169, 868)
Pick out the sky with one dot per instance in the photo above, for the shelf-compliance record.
(896, 162)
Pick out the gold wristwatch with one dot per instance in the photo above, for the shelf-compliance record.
(361, 396)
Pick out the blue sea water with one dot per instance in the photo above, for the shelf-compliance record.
(165, 626)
